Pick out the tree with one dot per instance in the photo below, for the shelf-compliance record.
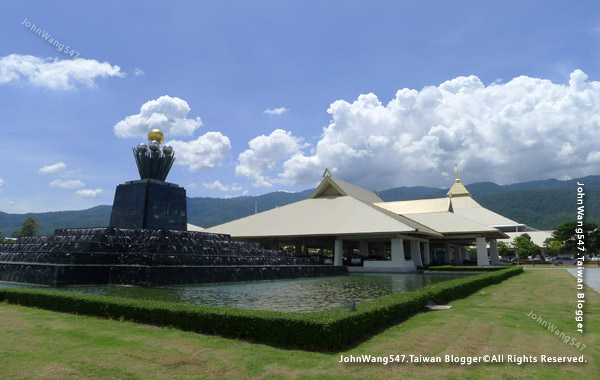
(30, 227)
(554, 246)
(504, 250)
(567, 233)
(525, 247)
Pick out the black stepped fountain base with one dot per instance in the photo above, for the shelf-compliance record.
(147, 258)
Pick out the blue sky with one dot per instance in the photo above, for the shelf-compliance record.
(383, 93)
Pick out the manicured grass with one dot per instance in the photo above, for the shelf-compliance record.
(326, 330)
(38, 344)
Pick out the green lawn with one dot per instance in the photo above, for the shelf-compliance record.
(38, 344)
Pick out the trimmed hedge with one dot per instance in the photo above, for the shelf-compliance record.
(531, 262)
(324, 330)
(452, 268)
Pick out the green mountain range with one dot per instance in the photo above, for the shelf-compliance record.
(539, 204)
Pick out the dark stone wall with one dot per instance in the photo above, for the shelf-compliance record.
(147, 258)
(149, 204)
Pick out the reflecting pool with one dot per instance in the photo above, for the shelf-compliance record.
(299, 295)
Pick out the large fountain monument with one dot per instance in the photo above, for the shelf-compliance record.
(147, 242)
(151, 203)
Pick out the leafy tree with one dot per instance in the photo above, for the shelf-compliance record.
(504, 249)
(553, 246)
(30, 227)
(567, 234)
(525, 247)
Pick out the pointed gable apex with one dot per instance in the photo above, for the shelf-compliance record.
(458, 189)
(336, 187)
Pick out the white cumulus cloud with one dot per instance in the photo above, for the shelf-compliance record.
(138, 72)
(216, 185)
(1, 183)
(54, 169)
(67, 184)
(205, 152)
(54, 73)
(88, 193)
(169, 114)
(276, 111)
(524, 129)
(264, 154)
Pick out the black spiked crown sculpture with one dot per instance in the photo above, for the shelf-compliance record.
(150, 202)
(153, 162)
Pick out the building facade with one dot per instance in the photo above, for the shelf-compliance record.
(389, 236)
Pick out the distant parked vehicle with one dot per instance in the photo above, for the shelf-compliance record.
(563, 260)
(356, 261)
(595, 258)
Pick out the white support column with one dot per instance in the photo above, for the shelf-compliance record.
(415, 253)
(426, 253)
(482, 256)
(398, 259)
(447, 253)
(456, 259)
(364, 248)
(398, 262)
(337, 252)
(494, 252)
(464, 254)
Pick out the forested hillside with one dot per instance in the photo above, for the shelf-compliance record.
(539, 204)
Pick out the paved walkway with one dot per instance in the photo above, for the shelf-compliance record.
(591, 277)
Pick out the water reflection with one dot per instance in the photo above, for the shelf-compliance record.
(300, 295)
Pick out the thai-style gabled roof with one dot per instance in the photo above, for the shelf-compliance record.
(322, 216)
(458, 189)
(339, 208)
(334, 187)
(538, 237)
(192, 227)
(417, 206)
(449, 223)
(468, 208)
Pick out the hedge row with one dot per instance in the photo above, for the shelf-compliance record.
(452, 268)
(316, 331)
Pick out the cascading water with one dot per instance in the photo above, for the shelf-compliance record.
(148, 258)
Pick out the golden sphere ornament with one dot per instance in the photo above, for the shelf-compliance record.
(156, 135)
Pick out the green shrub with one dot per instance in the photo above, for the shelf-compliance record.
(452, 268)
(318, 331)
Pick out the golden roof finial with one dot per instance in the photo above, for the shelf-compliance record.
(458, 189)
(156, 135)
